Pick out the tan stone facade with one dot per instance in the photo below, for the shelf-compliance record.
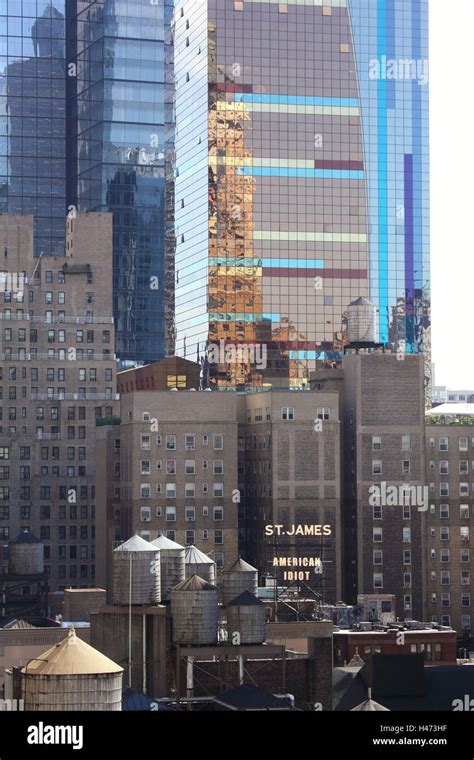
(58, 376)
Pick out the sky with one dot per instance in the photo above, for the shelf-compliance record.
(452, 191)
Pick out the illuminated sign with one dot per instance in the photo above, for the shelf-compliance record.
(299, 575)
(298, 530)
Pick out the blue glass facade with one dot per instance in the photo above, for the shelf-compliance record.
(125, 158)
(33, 117)
(302, 179)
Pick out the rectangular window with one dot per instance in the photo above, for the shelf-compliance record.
(377, 534)
(406, 535)
(444, 511)
(190, 514)
(407, 556)
(378, 580)
(377, 512)
(171, 490)
(171, 466)
(190, 466)
(218, 490)
(171, 443)
(406, 443)
(190, 537)
(189, 490)
(463, 444)
(170, 514)
(218, 513)
(218, 536)
(376, 443)
(287, 413)
(189, 442)
(443, 444)
(218, 467)
(145, 514)
(376, 467)
(218, 442)
(145, 442)
(378, 557)
(323, 413)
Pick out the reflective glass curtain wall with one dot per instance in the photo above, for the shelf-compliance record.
(33, 117)
(301, 179)
(125, 140)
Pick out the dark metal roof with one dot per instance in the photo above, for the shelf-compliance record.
(246, 599)
(249, 697)
(25, 537)
(240, 565)
(134, 700)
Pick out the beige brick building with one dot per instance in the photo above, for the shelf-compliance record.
(450, 520)
(170, 468)
(58, 376)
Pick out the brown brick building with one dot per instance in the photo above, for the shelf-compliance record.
(57, 369)
(383, 442)
(450, 520)
(436, 646)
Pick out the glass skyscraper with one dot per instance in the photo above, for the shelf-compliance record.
(33, 117)
(86, 121)
(301, 181)
(125, 159)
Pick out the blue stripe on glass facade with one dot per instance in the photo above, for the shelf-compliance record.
(295, 100)
(294, 171)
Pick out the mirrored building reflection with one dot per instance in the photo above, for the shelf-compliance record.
(33, 117)
(301, 182)
(125, 160)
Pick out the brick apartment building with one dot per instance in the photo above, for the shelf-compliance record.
(57, 368)
(383, 445)
(436, 646)
(450, 520)
(170, 468)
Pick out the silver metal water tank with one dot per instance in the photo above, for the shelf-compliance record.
(361, 321)
(172, 561)
(194, 612)
(136, 570)
(198, 563)
(246, 615)
(236, 579)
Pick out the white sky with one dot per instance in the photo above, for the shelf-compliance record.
(452, 191)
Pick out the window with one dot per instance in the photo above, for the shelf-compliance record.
(376, 442)
(406, 580)
(463, 467)
(466, 621)
(171, 466)
(463, 444)
(145, 490)
(377, 512)
(171, 534)
(171, 490)
(218, 490)
(218, 514)
(443, 444)
(376, 467)
(377, 534)
(406, 443)
(189, 442)
(287, 413)
(205, 535)
(205, 511)
(189, 490)
(218, 536)
(190, 466)
(444, 489)
(406, 535)
(205, 440)
(407, 556)
(190, 537)
(190, 514)
(170, 514)
(445, 578)
(445, 555)
(464, 489)
(145, 442)
(465, 555)
(406, 512)
(378, 580)
(171, 443)
(218, 442)
(145, 467)
(218, 466)
(219, 559)
(464, 511)
(323, 413)
(406, 467)
(444, 511)
(407, 601)
(465, 600)
(444, 534)
(464, 533)
(258, 415)
(378, 557)
(446, 599)
(145, 514)
(444, 467)
(465, 577)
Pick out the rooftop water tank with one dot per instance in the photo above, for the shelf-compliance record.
(246, 615)
(136, 571)
(198, 563)
(173, 569)
(73, 676)
(361, 321)
(194, 611)
(236, 579)
(25, 555)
